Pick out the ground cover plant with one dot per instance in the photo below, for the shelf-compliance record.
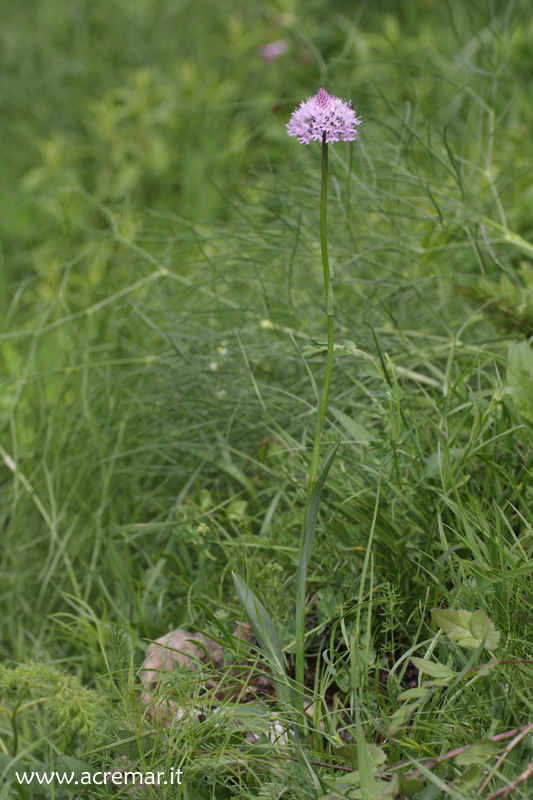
(163, 308)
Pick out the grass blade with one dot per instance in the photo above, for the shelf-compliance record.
(265, 633)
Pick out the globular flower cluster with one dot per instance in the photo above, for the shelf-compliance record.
(323, 114)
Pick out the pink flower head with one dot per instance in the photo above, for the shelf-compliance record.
(323, 114)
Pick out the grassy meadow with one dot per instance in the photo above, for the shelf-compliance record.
(163, 322)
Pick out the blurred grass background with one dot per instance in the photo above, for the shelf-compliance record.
(158, 242)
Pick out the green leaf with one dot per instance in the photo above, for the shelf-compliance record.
(484, 629)
(520, 378)
(311, 513)
(236, 509)
(376, 755)
(433, 668)
(354, 430)
(438, 462)
(413, 694)
(265, 633)
(478, 752)
(350, 754)
(468, 779)
(410, 786)
(310, 350)
(401, 717)
(369, 785)
(5, 793)
(468, 629)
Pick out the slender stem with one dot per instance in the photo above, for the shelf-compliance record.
(330, 317)
(313, 473)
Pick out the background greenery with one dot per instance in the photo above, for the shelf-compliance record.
(159, 249)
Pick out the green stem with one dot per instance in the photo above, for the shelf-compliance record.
(321, 415)
(330, 317)
(514, 239)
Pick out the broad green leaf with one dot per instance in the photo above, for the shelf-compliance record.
(483, 629)
(520, 378)
(433, 668)
(376, 755)
(467, 628)
(456, 625)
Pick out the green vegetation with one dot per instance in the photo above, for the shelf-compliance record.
(161, 293)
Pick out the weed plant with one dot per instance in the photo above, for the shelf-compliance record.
(151, 385)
